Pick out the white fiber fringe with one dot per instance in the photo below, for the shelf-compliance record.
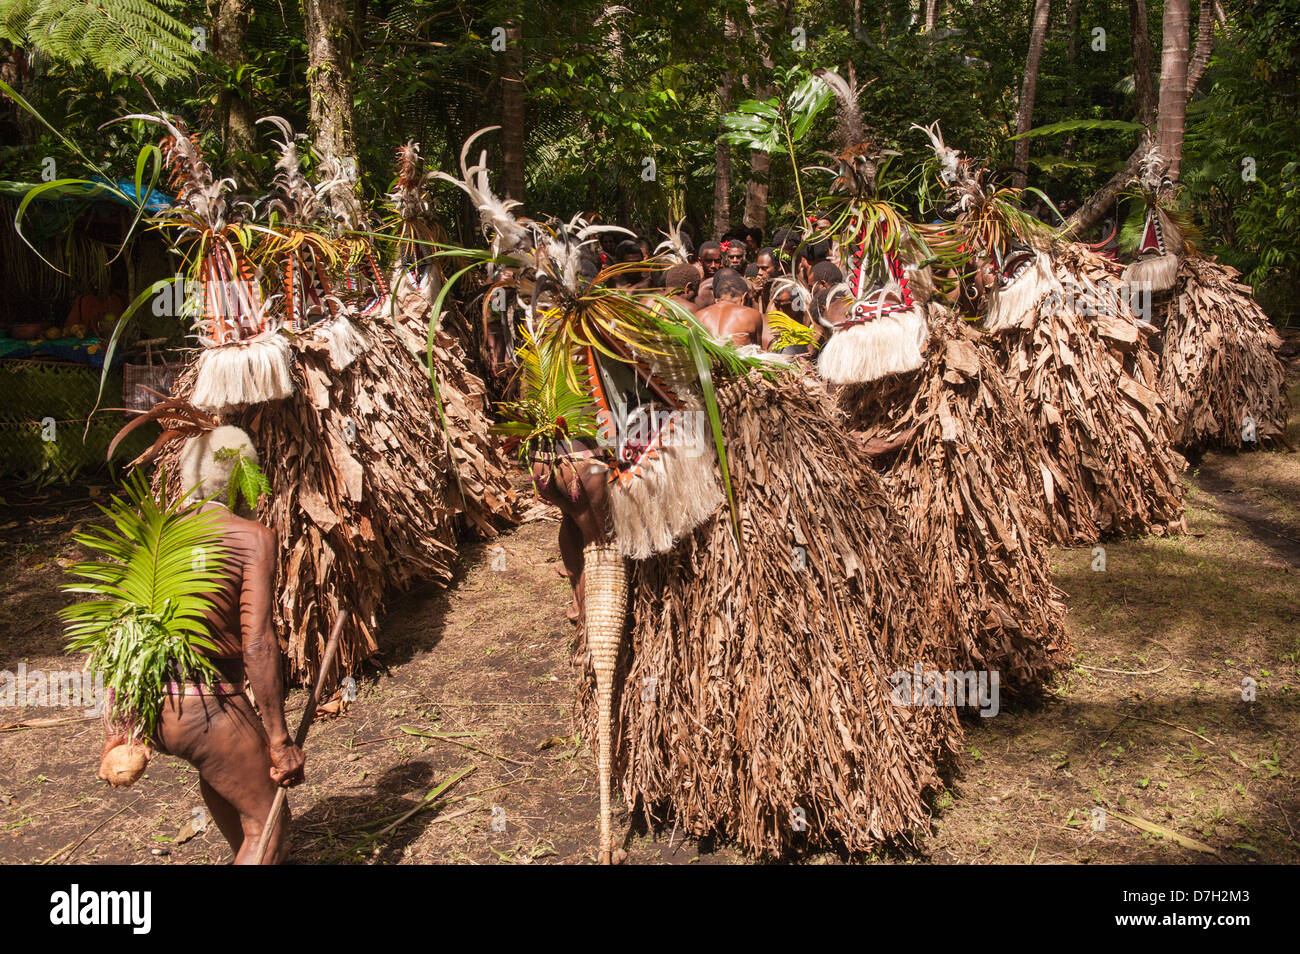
(1015, 305)
(345, 340)
(892, 344)
(674, 493)
(1155, 274)
(248, 372)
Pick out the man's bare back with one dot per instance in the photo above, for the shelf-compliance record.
(729, 319)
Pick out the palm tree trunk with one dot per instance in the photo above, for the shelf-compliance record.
(329, 78)
(1144, 89)
(234, 112)
(1204, 45)
(1029, 90)
(512, 113)
(760, 163)
(1172, 118)
(722, 169)
(932, 14)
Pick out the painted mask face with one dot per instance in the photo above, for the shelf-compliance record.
(1153, 238)
(308, 292)
(636, 411)
(662, 481)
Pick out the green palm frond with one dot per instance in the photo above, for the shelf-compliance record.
(246, 479)
(550, 408)
(116, 37)
(790, 333)
(145, 626)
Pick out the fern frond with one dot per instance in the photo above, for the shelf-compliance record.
(144, 37)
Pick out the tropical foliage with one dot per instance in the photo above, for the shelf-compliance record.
(144, 628)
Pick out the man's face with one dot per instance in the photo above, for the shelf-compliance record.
(783, 302)
(711, 261)
(736, 256)
(632, 276)
(751, 244)
(766, 269)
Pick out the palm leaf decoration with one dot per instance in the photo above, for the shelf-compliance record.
(550, 409)
(790, 333)
(145, 626)
(583, 315)
(246, 479)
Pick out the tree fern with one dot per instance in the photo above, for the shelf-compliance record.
(145, 627)
(131, 37)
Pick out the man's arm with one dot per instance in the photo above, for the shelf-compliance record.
(262, 656)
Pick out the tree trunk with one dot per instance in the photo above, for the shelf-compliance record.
(722, 169)
(1144, 89)
(857, 19)
(329, 78)
(234, 113)
(512, 113)
(760, 163)
(1072, 69)
(1025, 112)
(1204, 45)
(1172, 117)
(1144, 92)
(756, 191)
(932, 14)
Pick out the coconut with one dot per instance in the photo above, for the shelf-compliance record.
(124, 764)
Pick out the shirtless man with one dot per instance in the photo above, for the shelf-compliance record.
(734, 254)
(729, 316)
(681, 284)
(710, 263)
(629, 252)
(766, 268)
(241, 758)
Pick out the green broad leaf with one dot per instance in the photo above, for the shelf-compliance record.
(146, 624)
(1076, 125)
(806, 104)
(246, 481)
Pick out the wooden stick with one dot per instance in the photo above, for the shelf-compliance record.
(282, 793)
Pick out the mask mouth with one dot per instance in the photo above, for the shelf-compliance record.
(1153, 237)
(1016, 264)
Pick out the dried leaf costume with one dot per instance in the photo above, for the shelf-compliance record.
(772, 593)
(953, 446)
(1220, 372)
(1060, 326)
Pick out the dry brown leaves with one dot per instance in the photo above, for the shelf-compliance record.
(958, 480)
(1220, 363)
(755, 699)
(1102, 433)
(365, 499)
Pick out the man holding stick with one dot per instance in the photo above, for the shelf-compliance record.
(242, 758)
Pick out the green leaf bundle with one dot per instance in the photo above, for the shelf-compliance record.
(145, 626)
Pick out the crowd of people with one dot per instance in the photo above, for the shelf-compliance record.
(734, 285)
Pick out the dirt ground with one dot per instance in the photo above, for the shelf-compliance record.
(461, 744)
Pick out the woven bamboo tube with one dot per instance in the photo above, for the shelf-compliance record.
(605, 610)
